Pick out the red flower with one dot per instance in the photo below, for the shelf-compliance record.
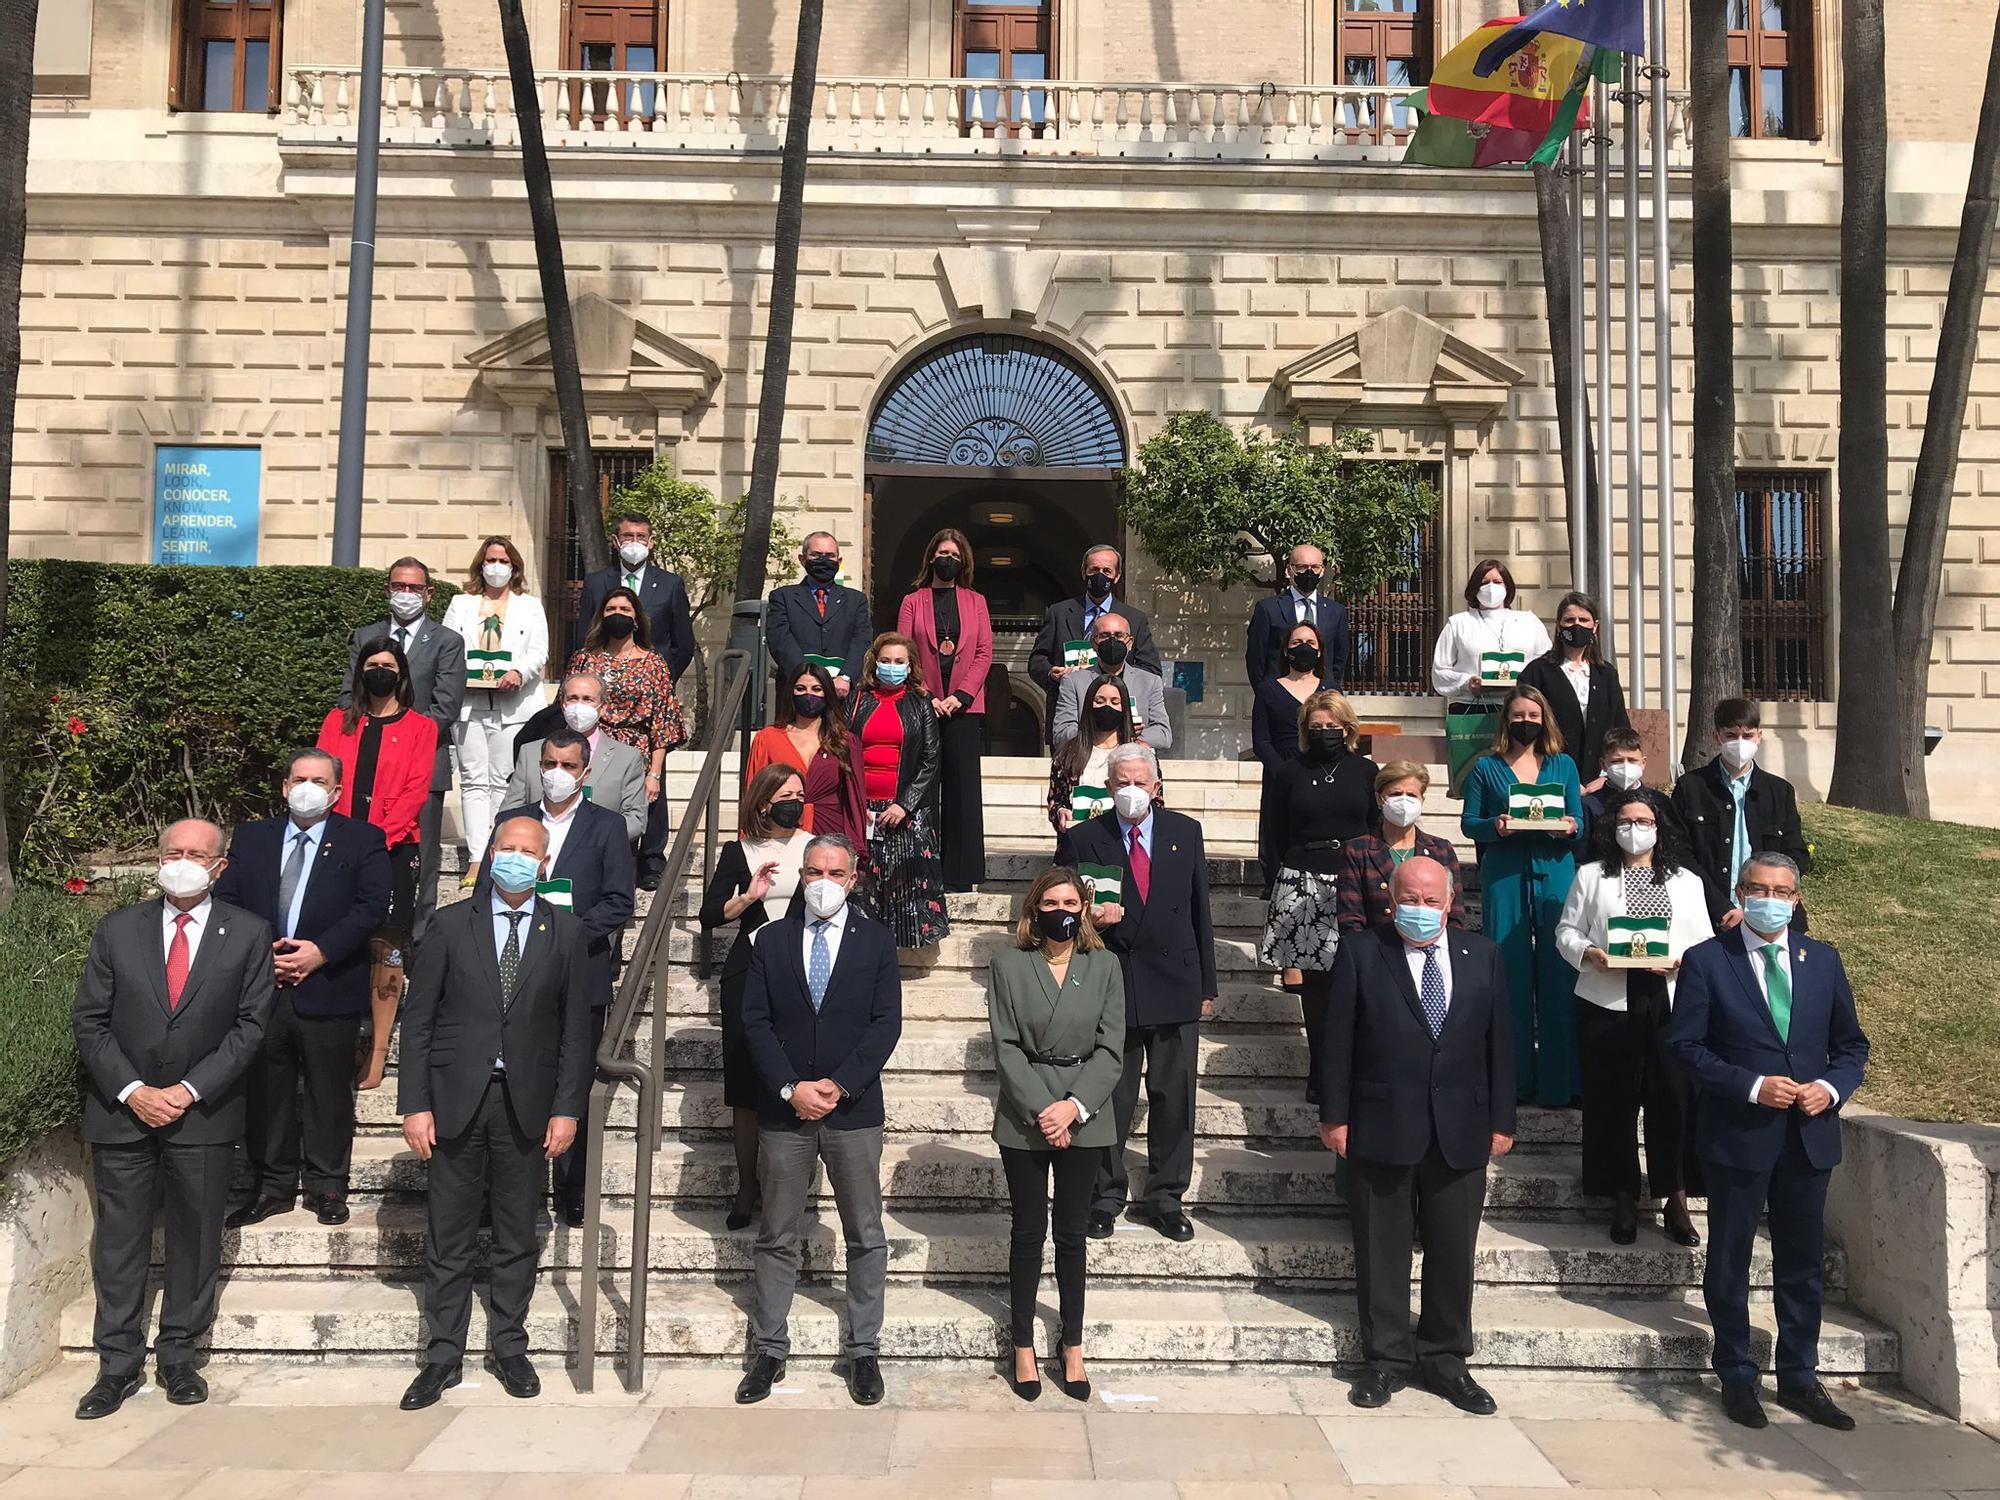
(76, 885)
(76, 725)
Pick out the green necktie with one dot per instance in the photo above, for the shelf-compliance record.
(1778, 988)
(510, 956)
(632, 582)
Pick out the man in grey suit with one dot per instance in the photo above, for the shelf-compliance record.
(169, 1016)
(1112, 636)
(437, 676)
(616, 777)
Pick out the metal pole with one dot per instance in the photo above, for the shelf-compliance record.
(360, 300)
(1663, 383)
(1579, 407)
(1601, 528)
(1635, 432)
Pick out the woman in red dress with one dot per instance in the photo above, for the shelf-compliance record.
(811, 736)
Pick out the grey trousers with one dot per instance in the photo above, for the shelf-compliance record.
(786, 1161)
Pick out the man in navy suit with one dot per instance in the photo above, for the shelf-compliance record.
(590, 875)
(822, 1012)
(817, 618)
(1300, 603)
(322, 882)
(1764, 1022)
(661, 593)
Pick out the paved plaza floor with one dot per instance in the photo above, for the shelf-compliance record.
(315, 1432)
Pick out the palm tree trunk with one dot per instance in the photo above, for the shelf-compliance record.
(1558, 269)
(581, 472)
(17, 22)
(1867, 753)
(753, 563)
(1922, 568)
(1715, 657)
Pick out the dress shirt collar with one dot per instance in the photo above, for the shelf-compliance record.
(836, 925)
(564, 817)
(314, 832)
(1299, 598)
(1145, 827)
(199, 912)
(501, 908)
(1753, 941)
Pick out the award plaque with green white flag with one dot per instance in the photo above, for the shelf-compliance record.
(1637, 942)
(1501, 668)
(1536, 807)
(1078, 654)
(1106, 883)
(556, 893)
(1088, 802)
(484, 669)
(831, 665)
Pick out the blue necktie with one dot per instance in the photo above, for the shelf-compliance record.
(1432, 991)
(820, 968)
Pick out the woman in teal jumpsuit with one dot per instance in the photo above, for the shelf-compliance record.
(1524, 878)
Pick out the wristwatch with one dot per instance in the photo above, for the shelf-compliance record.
(785, 1093)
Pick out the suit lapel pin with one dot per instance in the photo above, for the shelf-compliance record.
(541, 927)
(1802, 955)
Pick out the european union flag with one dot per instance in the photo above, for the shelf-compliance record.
(1614, 25)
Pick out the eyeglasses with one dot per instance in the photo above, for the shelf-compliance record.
(1635, 823)
(1780, 892)
(1113, 635)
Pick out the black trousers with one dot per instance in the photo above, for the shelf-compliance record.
(1626, 1068)
(1169, 1055)
(130, 1177)
(1386, 1204)
(430, 834)
(568, 1171)
(961, 808)
(1794, 1191)
(311, 1143)
(1313, 991)
(1028, 1173)
(653, 842)
(492, 1161)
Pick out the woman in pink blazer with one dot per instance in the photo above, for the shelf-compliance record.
(954, 636)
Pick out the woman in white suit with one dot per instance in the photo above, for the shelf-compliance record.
(1638, 869)
(495, 614)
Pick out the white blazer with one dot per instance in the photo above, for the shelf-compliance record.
(1595, 898)
(1471, 632)
(526, 634)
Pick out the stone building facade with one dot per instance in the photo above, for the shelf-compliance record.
(1222, 224)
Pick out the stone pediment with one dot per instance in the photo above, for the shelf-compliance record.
(626, 364)
(1399, 367)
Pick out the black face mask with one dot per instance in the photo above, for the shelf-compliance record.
(944, 569)
(380, 681)
(788, 813)
(1524, 732)
(808, 705)
(822, 569)
(1098, 585)
(1579, 636)
(1105, 717)
(1112, 653)
(1058, 926)
(1324, 744)
(1305, 580)
(619, 627)
(1302, 657)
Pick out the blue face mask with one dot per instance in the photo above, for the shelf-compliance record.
(513, 871)
(892, 674)
(1768, 913)
(1420, 924)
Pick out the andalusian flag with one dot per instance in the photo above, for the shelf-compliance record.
(1613, 25)
(1441, 141)
(1541, 94)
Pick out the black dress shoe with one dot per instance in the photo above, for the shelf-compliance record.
(570, 1212)
(1101, 1225)
(432, 1382)
(1679, 1228)
(1462, 1391)
(1741, 1406)
(764, 1373)
(1816, 1406)
(650, 881)
(1624, 1219)
(1374, 1388)
(107, 1395)
(516, 1376)
(864, 1380)
(1170, 1222)
(742, 1218)
(329, 1208)
(183, 1384)
(257, 1211)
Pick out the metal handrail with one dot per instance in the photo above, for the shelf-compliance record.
(647, 971)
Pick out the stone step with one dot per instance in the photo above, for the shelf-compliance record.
(952, 998)
(1188, 1328)
(1237, 912)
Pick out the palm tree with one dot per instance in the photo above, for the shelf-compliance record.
(1552, 218)
(1867, 748)
(1715, 664)
(580, 471)
(17, 20)
(1937, 464)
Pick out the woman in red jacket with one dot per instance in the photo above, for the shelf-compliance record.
(953, 634)
(386, 752)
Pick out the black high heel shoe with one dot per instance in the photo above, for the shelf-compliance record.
(1624, 1219)
(1027, 1390)
(1076, 1390)
(1678, 1227)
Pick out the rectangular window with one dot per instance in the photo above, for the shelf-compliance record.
(1391, 632)
(227, 57)
(615, 36)
(1011, 42)
(1780, 527)
(1384, 44)
(562, 586)
(1771, 90)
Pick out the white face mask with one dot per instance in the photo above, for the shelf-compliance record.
(559, 785)
(308, 799)
(1133, 803)
(1738, 753)
(825, 898)
(1492, 595)
(1625, 774)
(634, 553)
(405, 604)
(582, 717)
(1401, 810)
(497, 574)
(183, 878)
(1637, 838)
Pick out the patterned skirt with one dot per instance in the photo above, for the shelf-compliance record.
(905, 886)
(1303, 929)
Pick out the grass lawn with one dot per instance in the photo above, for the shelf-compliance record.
(1915, 911)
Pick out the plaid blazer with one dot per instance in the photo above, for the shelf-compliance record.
(1361, 890)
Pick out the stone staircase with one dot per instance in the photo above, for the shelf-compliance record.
(1266, 1281)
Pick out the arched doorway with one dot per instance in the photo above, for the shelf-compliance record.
(1015, 443)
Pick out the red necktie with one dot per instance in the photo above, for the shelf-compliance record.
(1142, 868)
(177, 961)
(820, 594)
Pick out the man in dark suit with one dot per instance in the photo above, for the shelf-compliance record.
(662, 593)
(1299, 603)
(1159, 928)
(1417, 1094)
(322, 883)
(437, 679)
(1764, 1022)
(822, 1012)
(169, 1014)
(494, 1074)
(591, 876)
(818, 618)
(1732, 808)
(1076, 620)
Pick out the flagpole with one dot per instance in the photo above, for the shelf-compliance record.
(1601, 531)
(1663, 385)
(1635, 432)
(1579, 406)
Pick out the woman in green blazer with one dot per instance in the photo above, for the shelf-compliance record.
(1057, 1003)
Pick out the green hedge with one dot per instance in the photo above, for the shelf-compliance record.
(43, 941)
(138, 694)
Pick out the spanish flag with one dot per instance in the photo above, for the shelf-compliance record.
(1525, 93)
